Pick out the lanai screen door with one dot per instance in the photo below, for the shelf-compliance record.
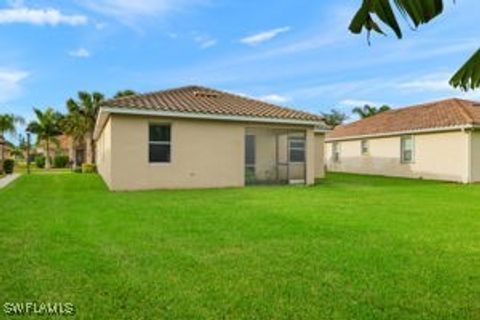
(274, 156)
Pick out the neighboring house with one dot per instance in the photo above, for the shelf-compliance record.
(195, 137)
(9, 150)
(64, 146)
(438, 140)
(6, 148)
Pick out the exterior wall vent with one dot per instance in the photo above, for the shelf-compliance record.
(205, 94)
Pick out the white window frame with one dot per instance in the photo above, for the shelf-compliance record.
(304, 149)
(165, 143)
(336, 151)
(365, 147)
(402, 149)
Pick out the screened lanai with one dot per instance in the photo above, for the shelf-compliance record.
(274, 156)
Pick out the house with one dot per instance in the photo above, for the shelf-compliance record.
(63, 145)
(7, 148)
(196, 137)
(438, 140)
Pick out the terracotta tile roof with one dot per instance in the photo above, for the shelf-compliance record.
(439, 114)
(201, 100)
(62, 143)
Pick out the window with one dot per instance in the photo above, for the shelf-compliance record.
(364, 147)
(159, 143)
(296, 148)
(336, 152)
(407, 149)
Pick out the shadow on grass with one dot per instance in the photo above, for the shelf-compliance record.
(359, 180)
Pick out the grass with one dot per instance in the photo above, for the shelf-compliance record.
(22, 168)
(352, 247)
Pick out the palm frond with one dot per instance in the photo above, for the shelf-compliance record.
(418, 12)
(468, 77)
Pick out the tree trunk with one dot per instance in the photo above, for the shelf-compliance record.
(72, 153)
(89, 148)
(47, 157)
(74, 162)
(94, 150)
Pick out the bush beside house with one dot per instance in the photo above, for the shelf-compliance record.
(89, 168)
(60, 161)
(8, 166)
(40, 162)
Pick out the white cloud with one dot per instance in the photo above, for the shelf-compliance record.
(80, 53)
(10, 83)
(437, 83)
(272, 98)
(275, 98)
(205, 41)
(51, 17)
(262, 37)
(100, 25)
(128, 10)
(431, 82)
(357, 103)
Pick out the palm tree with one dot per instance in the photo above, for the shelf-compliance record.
(334, 118)
(368, 110)
(124, 93)
(8, 124)
(417, 12)
(75, 126)
(87, 106)
(22, 146)
(46, 127)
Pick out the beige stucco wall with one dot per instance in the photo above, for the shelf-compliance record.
(104, 151)
(319, 155)
(204, 154)
(438, 156)
(475, 153)
(310, 156)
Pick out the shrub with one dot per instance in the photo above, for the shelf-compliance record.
(8, 165)
(60, 161)
(40, 162)
(89, 168)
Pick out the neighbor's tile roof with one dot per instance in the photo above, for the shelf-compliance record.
(439, 114)
(200, 100)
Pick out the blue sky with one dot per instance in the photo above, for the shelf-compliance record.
(296, 53)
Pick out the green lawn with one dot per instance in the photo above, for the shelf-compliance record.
(351, 247)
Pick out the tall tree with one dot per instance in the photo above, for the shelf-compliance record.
(334, 118)
(417, 12)
(87, 106)
(46, 127)
(124, 93)
(368, 110)
(8, 123)
(22, 145)
(75, 126)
